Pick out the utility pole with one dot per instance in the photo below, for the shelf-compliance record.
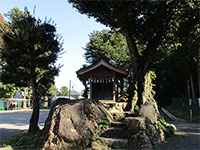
(69, 89)
(189, 98)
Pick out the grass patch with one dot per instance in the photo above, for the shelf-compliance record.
(23, 141)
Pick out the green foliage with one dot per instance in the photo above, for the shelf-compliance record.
(53, 91)
(103, 124)
(146, 24)
(150, 28)
(154, 29)
(107, 44)
(30, 52)
(135, 109)
(64, 91)
(184, 53)
(10, 90)
(31, 49)
(15, 14)
(149, 85)
(7, 90)
(169, 129)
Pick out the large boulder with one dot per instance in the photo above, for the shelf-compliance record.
(156, 135)
(151, 114)
(143, 134)
(73, 126)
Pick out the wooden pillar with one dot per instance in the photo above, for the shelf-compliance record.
(117, 90)
(114, 91)
(90, 90)
(114, 96)
(86, 90)
(121, 85)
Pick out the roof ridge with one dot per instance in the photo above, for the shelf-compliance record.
(104, 63)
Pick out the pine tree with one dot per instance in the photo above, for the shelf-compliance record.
(31, 48)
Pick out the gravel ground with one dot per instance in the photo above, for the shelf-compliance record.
(187, 138)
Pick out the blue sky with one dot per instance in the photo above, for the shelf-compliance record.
(73, 27)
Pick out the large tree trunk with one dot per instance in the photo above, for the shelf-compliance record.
(33, 125)
(137, 72)
(133, 53)
(137, 83)
(132, 87)
(141, 72)
(140, 89)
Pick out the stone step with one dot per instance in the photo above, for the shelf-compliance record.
(118, 124)
(118, 133)
(116, 144)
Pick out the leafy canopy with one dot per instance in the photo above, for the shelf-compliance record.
(64, 91)
(53, 91)
(148, 25)
(31, 48)
(30, 53)
(7, 91)
(107, 44)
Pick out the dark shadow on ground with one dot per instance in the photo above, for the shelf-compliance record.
(21, 140)
(9, 134)
(187, 138)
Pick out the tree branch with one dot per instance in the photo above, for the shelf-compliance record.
(132, 46)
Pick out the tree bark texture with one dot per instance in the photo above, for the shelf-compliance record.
(33, 125)
(137, 72)
(198, 72)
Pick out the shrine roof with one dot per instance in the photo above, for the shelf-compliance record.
(99, 64)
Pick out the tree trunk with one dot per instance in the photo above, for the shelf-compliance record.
(192, 88)
(137, 71)
(136, 82)
(33, 125)
(131, 87)
(141, 72)
(134, 54)
(140, 89)
(198, 76)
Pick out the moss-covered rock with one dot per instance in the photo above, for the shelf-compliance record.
(143, 134)
(73, 126)
(139, 141)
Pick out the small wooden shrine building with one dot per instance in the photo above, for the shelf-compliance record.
(103, 81)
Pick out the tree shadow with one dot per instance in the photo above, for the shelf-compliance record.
(10, 135)
(187, 137)
(20, 139)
